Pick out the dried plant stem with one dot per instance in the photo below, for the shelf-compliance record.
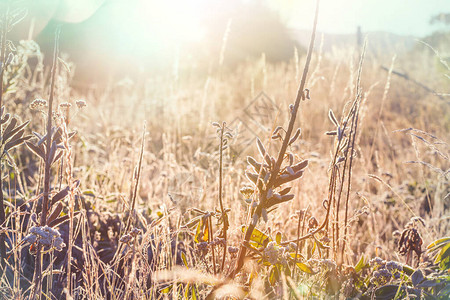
(282, 152)
(137, 179)
(71, 205)
(2, 208)
(133, 197)
(224, 217)
(301, 218)
(48, 163)
(211, 242)
(349, 181)
(37, 281)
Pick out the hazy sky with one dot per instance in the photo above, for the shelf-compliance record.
(406, 17)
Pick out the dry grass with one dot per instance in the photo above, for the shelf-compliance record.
(159, 213)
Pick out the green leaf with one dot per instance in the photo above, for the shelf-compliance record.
(443, 256)
(386, 292)
(274, 275)
(183, 257)
(258, 237)
(417, 277)
(299, 256)
(362, 263)
(193, 294)
(408, 270)
(305, 268)
(202, 232)
(89, 193)
(167, 289)
(278, 238)
(429, 283)
(438, 243)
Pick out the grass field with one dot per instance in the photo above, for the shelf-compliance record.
(325, 176)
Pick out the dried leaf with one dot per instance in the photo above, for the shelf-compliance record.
(333, 118)
(261, 148)
(55, 213)
(13, 132)
(16, 143)
(35, 149)
(60, 195)
(295, 137)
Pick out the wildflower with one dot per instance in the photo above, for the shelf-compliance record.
(135, 232)
(394, 266)
(126, 238)
(271, 253)
(202, 248)
(382, 276)
(246, 191)
(233, 250)
(347, 288)
(328, 264)
(48, 237)
(65, 105)
(377, 262)
(38, 104)
(80, 103)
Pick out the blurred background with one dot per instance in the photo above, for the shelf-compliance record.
(113, 39)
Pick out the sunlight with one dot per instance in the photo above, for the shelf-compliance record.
(174, 20)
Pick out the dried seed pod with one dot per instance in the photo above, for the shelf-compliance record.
(295, 137)
(268, 159)
(291, 159)
(215, 124)
(331, 132)
(269, 193)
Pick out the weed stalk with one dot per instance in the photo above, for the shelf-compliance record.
(263, 196)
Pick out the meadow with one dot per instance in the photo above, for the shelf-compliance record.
(322, 177)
